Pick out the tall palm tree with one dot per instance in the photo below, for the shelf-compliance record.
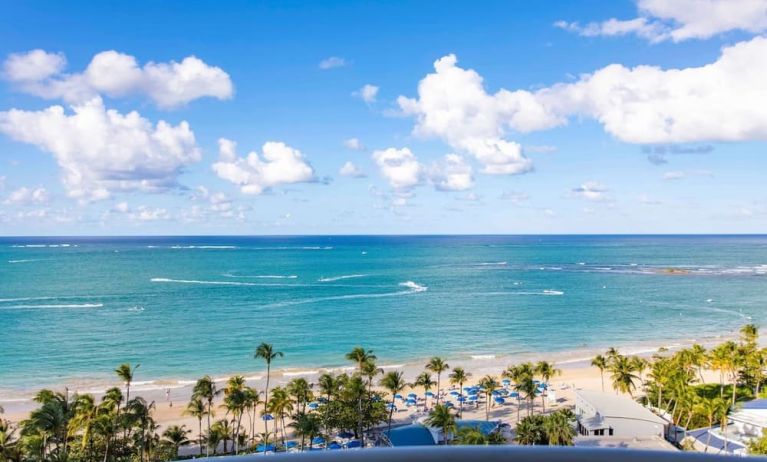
(300, 390)
(623, 376)
(441, 417)
(125, 372)
(196, 408)
(660, 374)
(235, 401)
(489, 383)
(710, 408)
(438, 366)
(699, 359)
(223, 430)
(205, 390)
(175, 437)
(524, 384)
(559, 428)
(600, 362)
(266, 352)
(306, 426)
(370, 370)
(280, 406)
(360, 356)
(546, 371)
(424, 380)
(459, 376)
(328, 385)
(251, 405)
(85, 414)
(394, 383)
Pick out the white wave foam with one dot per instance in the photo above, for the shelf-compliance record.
(493, 263)
(136, 309)
(254, 377)
(415, 287)
(29, 260)
(218, 283)
(482, 356)
(77, 305)
(264, 276)
(339, 278)
(300, 373)
(553, 292)
(392, 366)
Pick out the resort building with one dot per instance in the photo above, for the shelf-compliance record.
(610, 415)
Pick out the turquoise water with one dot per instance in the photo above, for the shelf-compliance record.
(71, 309)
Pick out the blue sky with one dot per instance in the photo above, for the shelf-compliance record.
(539, 117)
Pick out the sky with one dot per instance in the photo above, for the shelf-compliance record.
(383, 117)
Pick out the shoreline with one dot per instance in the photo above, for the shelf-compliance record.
(18, 403)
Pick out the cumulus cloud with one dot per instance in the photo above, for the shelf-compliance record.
(515, 197)
(279, 164)
(591, 190)
(27, 196)
(354, 144)
(399, 167)
(453, 105)
(452, 173)
(146, 213)
(349, 169)
(101, 151)
(110, 73)
(643, 105)
(680, 20)
(367, 93)
(332, 63)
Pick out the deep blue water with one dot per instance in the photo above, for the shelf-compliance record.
(71, 309)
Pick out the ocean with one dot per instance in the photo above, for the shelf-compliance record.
(72, 309)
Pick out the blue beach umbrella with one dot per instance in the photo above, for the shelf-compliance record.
(267, 448)
(334, 445)
(500, 401)
(267, 417)
(345, 435)
(514, 394)
(461, 399)
(291, 444)
(398, 396)
(390, 407)
(467, 388)
(412, 395)
(353, 444)
(455, 393)
(506, 382)
(448, 404)
(318, 440)
(410, 402)
(473, 397)
(429, 394)
(313, 406)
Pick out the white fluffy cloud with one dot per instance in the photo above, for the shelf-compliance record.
(281, 164)
(100, 151)
(354, 144)
(452, 104)
(351, 170)
(115, 74)
(680, 20)
(452, 173)
(399, 167)
(27, 196)
(332, 63)
(644, 104)
(367, 93)
(591, 190)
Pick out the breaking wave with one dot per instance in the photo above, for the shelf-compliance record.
(339, 278)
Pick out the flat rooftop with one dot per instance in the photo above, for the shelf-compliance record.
(650, 443)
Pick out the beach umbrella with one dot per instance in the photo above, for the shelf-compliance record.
(500, 401)
(473, 397)
(398, 396)
(267, 417)
(496, 393)
(390, 407)
(334, 445)
(461, 399)
(318, 440)
(410, 402)
(467, 388)
(345, 435)
(506, 382)
(353, 444)
(313, 406)
(448, 404)
(514, 394)
(265, 448)
(412, 395)
(290, 444)
(429, 394)
(455, 393)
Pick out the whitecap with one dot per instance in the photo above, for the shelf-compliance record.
(553, 292)
(300, 373)
(482, 356)
(262, 276)
(339, 278)
(412, 289)
(414, 286)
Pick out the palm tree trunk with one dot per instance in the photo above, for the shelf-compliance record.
(207, 443)
(602, 375)
(266, 398)
(199, 434)
(734, 387)
(438, 381)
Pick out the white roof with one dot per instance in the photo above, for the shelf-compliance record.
(651, 443)
(611, 405)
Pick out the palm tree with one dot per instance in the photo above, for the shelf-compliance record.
(280, 405)
(223, 430)
(424, 380)
(125, 373)
(699, 359)
(370, 370)
(251, 404)
(623, 376)
(438, 366)
(531, 431)
(301, 391)
(306, 426)
(441, 417)
(459, 376)
(85, 414)
(196, 408)
(175, 437)
(360, 356)
(205, 390)
(328, 385)
(266, 352)
(660, 374)
(394, 383)
(235, 401)
(546, 371)
(559, 428)
(489, 383)
(600, 362)
(525, 384)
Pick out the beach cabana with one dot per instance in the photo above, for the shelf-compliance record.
(353, 444)
(318, 440)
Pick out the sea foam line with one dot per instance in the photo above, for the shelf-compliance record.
(412, 289)
(80, 305)
(264, 276)
(219, 283)
(339, 278)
